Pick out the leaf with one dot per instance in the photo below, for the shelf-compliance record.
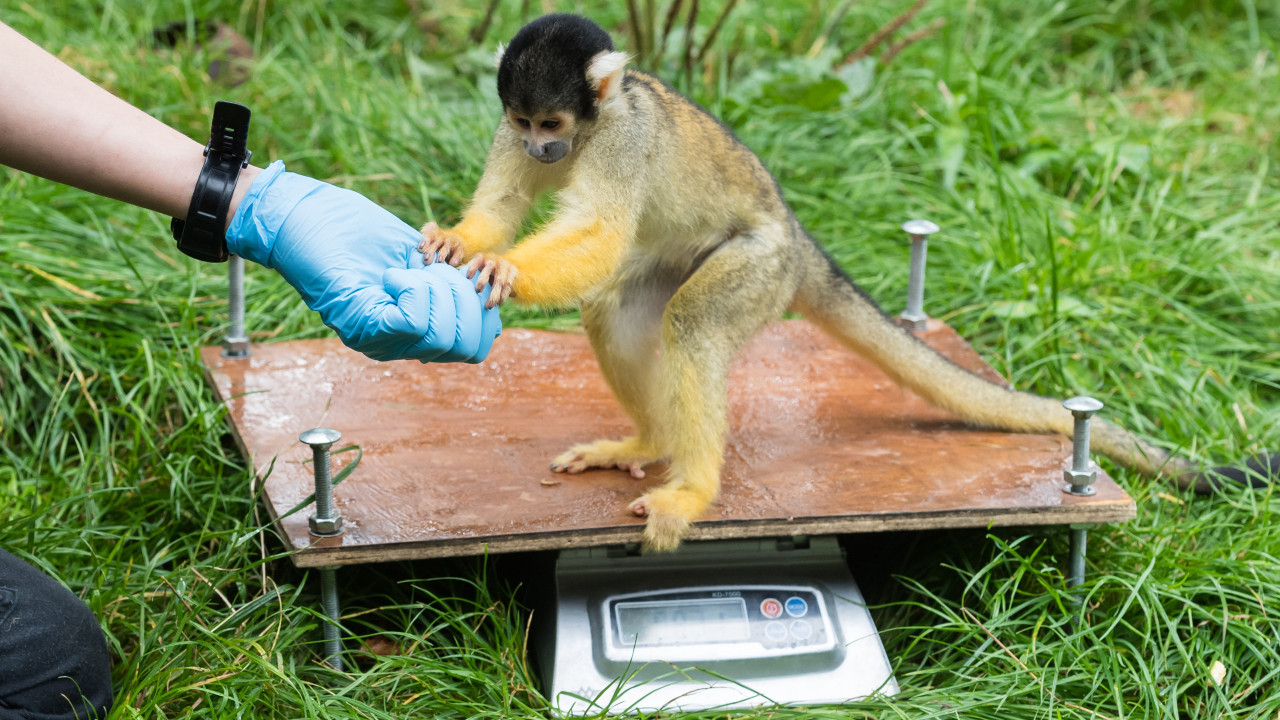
(1135, 157)
(1068, 306)
(1218, 672)
(1014, 309)
(858, 77)
(805, 82)
(1031, 163)
(952, 140)
(820, 94)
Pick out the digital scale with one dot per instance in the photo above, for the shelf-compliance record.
(715, 625)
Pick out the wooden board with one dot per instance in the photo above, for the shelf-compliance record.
(455, 457)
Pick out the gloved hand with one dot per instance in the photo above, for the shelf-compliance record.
(358, 266)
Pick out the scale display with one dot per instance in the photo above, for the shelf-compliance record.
(681, 622)
(721, 622)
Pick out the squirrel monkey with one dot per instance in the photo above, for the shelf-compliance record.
(678, 245)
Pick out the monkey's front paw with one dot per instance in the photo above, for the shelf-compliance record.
(440, 245)
(630, 455)
(496, 271)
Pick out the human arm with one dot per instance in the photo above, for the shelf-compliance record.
(60, 125)
(351, 260)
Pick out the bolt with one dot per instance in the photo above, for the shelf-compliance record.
(325, 521)
(236, 344)
(329, 601)
(1081, 475)
(919, 230)
(1079, 544)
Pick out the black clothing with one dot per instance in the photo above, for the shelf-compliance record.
(53, 656)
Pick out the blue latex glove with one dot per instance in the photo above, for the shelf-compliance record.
(358, 266)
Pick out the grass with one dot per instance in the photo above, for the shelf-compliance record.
(1108, 181)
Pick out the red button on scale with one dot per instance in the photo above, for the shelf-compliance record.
(771, 608)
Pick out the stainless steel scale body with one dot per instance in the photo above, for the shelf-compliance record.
(722, 624)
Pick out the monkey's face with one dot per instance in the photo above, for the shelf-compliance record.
(547, 136)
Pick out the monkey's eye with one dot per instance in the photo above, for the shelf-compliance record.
(550, 124)
(523, 123)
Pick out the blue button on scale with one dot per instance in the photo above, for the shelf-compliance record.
(797, 607)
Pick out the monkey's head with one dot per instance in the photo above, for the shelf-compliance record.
(552, 79)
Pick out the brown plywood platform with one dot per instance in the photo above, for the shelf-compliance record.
(455, 457)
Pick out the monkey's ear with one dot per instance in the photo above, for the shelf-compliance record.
(497, 55)
(605, 74)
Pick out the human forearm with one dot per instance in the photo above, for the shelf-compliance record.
(351, 260)
(59, 125)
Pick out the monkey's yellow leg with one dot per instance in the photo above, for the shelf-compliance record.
(624, 326)
(745, 283)
(698, 400)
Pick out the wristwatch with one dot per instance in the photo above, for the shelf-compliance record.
(203, 234)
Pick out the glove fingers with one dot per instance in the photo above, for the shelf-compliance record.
(465, 307)
(424, 315)
(430, 314)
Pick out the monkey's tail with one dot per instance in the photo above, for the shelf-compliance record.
(829, 299)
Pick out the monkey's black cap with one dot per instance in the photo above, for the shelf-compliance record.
(544, 67)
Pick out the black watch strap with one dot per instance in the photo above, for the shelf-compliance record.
(203, 234)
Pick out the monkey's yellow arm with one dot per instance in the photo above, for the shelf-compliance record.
(480, 231)
(501, 200)
(560, 264)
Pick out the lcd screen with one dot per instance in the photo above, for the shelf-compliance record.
(682, 622)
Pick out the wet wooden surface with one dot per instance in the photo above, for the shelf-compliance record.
(455, 457)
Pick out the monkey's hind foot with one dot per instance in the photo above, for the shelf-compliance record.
(670, 512)
(663, 533)
(629, 454)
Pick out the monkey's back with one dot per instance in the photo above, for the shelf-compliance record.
(697, 159)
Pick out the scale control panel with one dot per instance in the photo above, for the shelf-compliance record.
(723, 622)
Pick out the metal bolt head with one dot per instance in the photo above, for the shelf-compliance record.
(320, 437)
(919, 227)
(1082, 406)
(325, 527)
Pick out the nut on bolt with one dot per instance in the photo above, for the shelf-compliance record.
(235, 347)
(1080, 483)
(325, 527)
